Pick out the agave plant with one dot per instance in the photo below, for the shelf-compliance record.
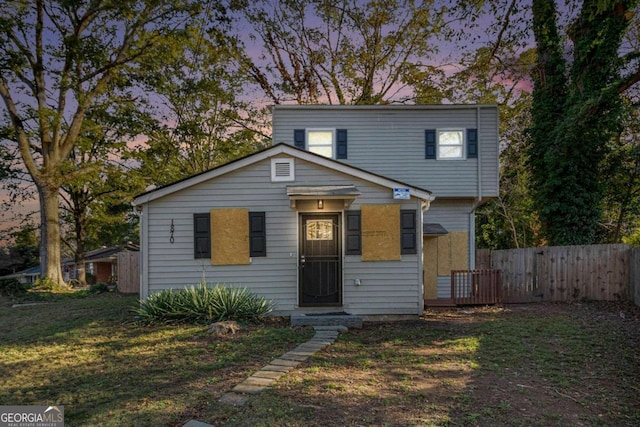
(202, 304)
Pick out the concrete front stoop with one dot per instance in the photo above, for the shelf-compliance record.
(347, 320)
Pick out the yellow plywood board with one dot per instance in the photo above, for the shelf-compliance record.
(229, 236)
(380, 232)
(444, 256)
(459, 246)
(430, 265)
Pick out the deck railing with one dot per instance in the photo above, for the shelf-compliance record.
(475, 287)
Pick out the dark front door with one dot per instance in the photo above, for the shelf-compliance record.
(320, 260)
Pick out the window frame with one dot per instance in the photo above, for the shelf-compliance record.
(253, 234)
(462, 145)
(333, 141)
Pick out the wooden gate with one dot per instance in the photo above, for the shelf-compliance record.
(476, 287)
(129, 272)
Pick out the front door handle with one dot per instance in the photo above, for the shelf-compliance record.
(302, 261)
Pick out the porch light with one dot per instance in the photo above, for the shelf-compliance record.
(320, 204)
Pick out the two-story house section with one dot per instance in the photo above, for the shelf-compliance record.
(356, 209)
(452, 150)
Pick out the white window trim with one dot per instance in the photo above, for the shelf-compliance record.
(292, 170)
(464, 143)
(333, 140)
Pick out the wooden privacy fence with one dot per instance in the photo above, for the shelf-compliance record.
(475, 287)
(129, 272)
(561, 273)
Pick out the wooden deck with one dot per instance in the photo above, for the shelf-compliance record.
(471, 287)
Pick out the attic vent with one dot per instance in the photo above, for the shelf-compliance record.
(282, 170)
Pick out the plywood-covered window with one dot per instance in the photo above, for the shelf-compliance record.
(381, 232)
(230, 236)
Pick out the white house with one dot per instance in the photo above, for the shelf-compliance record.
(357, 209)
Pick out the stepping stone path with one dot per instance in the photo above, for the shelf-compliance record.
(267, 376)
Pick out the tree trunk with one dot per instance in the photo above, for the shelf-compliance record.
(50, 256)
(79, 255)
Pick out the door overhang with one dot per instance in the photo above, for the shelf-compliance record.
(346, 193)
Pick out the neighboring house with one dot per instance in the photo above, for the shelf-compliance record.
(101, 264)
(361, 209)
(26, 277)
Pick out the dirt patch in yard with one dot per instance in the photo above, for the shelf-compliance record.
(519, 365)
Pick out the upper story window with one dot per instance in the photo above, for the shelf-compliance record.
(450, 144)
(331, 143)
(320, 142)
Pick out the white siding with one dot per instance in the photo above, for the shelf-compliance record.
(387, 287)
(391, 142)
(454, 215)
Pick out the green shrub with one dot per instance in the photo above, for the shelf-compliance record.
(200, 304)
(99, 288)
(12, 288)
(45, 284)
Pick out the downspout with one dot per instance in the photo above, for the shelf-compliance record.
(424, 206)
(478, 200)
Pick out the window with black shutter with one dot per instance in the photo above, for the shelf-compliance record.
(202, 235)
(341, 144)
(430, 144)
(472, 143)
(257, 234)
(408, 232)
(353, 233)
(299, 136)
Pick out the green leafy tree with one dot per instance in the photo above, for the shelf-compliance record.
(202, 121)
(341, 51)
(57, 60)
(621, 175)
(576, 112)
(22, 251)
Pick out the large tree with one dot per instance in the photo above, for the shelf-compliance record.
(577, 110)
(201, 121)
(100, 200)
(57, 60)
(341, 51)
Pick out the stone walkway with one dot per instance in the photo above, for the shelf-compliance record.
(267, 376)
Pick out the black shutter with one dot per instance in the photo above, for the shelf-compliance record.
(430, 144)
(472, 143)
(202, 235)
(299, 136)
(341, 144)
(353, 238)
(257, 234)
(408, 232)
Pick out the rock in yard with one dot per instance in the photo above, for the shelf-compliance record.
(227, 327)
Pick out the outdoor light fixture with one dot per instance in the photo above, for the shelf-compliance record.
(320, 204)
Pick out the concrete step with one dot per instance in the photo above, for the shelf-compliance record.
(347, 320)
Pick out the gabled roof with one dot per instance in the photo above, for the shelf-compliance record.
(31, 271)
(105, 254)
(272, 151)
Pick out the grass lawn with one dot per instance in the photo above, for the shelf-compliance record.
(533, 365)
(85, 354)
